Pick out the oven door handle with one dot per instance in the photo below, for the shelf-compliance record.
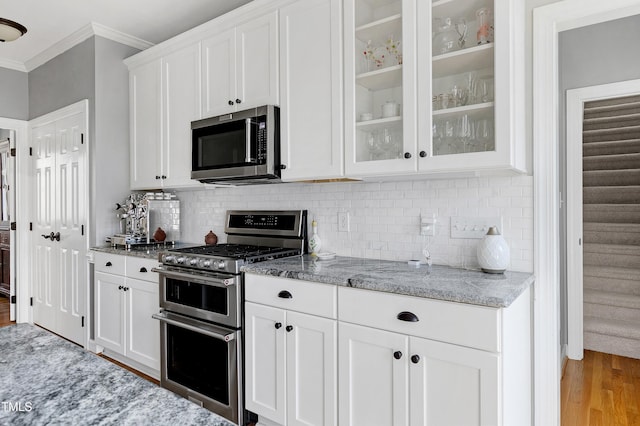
(184, 275)
(220, 336)
(248, 158)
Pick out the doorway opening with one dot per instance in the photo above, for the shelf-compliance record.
(7, 214)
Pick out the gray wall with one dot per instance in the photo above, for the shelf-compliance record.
(14, 94)
(64, 80)
(110, 159)
(590, 56)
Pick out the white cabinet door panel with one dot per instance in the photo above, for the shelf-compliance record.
(143, 332)
(373, 384)
(453, 385)
(145, 109)
(181, 101)
(109, 311)
(218, 74)
(265, 367)
(311, 87)
(257, 62)
(311, 370)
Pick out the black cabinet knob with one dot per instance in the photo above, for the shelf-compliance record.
(278, 325)
(284, 294)
(158, 177)
(397, 354)
(407, 155)
(283, 166)
(407, 316)
(415, 359)
(163, 176)
(423, 154)
(289, 328)
(125, 288)
(230, 102)
(238, 101)
(108, 264)
(143, 269)
(120, 287)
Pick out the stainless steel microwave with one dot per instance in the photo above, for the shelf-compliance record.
(241, 147)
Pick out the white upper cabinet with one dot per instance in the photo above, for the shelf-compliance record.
(240, 67)
(380, 87)
(164, 99)
(471, 81)
(311, 90)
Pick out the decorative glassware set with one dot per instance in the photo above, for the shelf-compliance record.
(382, 56)
(461, 134)
(384, 143)
(472, 91)
(451, 34)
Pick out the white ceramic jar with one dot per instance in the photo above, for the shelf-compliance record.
(493, 252)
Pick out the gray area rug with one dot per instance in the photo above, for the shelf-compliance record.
(45, 379)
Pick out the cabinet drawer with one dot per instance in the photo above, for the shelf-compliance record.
(109, 263)
(466, 325)
(140, 269)
(307, 297)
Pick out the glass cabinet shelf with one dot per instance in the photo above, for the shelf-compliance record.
(380, 29)
(383, 78)
(476, 57)
(463, 109)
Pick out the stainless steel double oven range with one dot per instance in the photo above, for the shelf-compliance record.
(201, 300)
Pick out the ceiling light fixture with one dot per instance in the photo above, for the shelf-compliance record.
(10, 30)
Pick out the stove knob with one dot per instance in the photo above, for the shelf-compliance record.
(169, 258)
(193, 262)
(180, 260)
(220, 264)
(206, 263)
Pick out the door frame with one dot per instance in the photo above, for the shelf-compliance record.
(20, 259)
(548, 22)
(576, 99)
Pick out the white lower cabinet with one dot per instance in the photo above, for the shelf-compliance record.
(123, 309)
(291, 361)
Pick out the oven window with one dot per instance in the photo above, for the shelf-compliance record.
(195, 295)
(198, 362)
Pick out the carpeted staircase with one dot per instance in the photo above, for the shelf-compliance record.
(611, 216)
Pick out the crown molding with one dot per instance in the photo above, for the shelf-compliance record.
(88, 31)
(12, 65)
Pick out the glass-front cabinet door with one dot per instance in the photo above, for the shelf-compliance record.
(471, 78)
(380, 87)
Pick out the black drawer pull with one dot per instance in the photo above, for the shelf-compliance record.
(407, 316)
(278, 325)
(108, 264)
(143, 269)
(284, 294)
(397, 354)
(415, 359)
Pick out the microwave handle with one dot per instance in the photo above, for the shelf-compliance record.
(247, 133)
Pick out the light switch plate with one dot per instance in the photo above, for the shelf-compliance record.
(473, 227)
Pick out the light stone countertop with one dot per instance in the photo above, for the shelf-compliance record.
(149, 252)
(442, 282)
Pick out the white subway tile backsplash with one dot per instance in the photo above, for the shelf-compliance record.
(384, 217)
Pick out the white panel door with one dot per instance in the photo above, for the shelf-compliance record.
(265, 361)
(109, 309)
(257, 62)
(145, 116)
(311, 82)
(311, 370)
(181, 101)
(44, 267)
(70, 214)
(143, 332)
(373, 377)
(219, 74)
(452, 385)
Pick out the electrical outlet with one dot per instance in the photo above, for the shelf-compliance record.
(428, 225)
(343, 221)
(473, 227)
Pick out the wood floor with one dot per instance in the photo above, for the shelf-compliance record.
(4, 311)
(601, 390)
